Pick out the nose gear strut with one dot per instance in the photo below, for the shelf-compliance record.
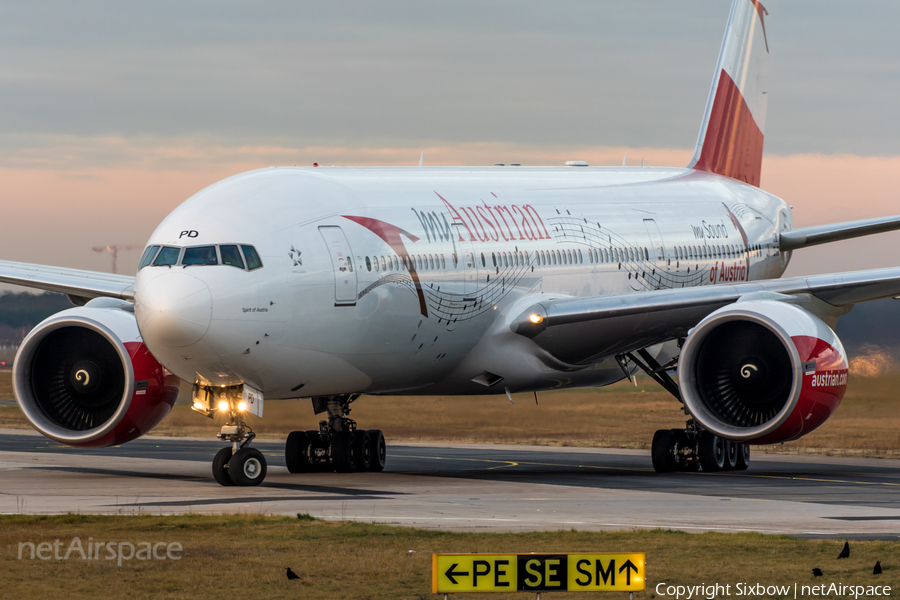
(237, 464)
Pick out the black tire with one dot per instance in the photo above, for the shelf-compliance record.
(220, 466)
(743, 457)
(379, 451)
(731, 455)
(296, 452)
(661, 451)
(247, 467)
(363, 450)
(712, 452)
(344, 457)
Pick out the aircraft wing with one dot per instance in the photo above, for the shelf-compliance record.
(580, 331)
(834, 232)
(72, 282)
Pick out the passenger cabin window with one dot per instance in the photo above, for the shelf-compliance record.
(149, 255)
(231, 256)
(253, 261)
(167, 256)
(200, 255)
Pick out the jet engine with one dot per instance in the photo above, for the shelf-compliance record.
(83, 377)
(762, 372)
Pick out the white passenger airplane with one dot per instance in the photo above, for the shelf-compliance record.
(330, 283)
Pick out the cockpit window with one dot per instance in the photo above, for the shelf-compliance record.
(200, 255)
(167, 256)
(231, 256)
(149, 255)
(253, 261)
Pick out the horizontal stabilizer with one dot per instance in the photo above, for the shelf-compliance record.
(835, 232)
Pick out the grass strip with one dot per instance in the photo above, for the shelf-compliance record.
(245, 556)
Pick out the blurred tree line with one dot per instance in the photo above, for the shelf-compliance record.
(21, 311)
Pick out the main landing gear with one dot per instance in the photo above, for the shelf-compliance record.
(690, 449)
(337, 445)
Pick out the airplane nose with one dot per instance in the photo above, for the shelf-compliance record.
(173, 309)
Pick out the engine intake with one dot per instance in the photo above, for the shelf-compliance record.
(762, 372)
(83, 377)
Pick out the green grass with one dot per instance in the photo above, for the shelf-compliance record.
(245, 555)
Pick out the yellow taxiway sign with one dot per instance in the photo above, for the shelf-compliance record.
(560, 572)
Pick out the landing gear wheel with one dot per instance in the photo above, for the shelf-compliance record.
(379, 451)
(344, 456)
(247, 467)
(296, 452)
(220, 467)
(363, 450)
(743, 457)
(661, 451)
(712, 452)
(732, 449)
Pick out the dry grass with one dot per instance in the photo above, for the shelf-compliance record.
(244, 556)
(621, 415)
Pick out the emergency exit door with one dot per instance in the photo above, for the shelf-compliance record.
(342, 261)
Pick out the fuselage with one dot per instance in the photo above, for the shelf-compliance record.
(401, 280)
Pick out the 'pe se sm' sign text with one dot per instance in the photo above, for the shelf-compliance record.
(589, 572)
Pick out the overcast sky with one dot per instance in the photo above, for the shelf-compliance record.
(113, 113)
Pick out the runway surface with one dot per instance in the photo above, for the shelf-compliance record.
(465, 487)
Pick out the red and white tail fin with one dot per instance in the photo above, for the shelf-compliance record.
(731, 135)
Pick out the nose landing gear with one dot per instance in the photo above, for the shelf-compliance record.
(338, 445)
(238, 464)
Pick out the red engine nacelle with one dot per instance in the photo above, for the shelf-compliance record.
(83, 377)
(762, 372)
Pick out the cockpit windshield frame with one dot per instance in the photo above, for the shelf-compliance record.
(243, 256)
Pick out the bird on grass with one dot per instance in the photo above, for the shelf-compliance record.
(817, 572)
(845, 553)
(291, 574)
(877, 569)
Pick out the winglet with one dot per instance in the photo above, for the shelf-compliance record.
(731, 134)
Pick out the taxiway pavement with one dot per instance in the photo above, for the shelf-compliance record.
(464, 487)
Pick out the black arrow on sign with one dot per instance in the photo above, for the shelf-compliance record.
(452, 575)
(629, 566)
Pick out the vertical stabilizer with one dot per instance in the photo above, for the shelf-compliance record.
(731, 135)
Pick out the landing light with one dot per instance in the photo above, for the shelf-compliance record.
(223, 405)
(242, 406)
(536, 319)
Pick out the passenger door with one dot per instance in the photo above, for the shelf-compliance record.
(342, 261)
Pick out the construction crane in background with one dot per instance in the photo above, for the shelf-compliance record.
(114, 252)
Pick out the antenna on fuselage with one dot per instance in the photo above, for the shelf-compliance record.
(624, 156)
(421, 158)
